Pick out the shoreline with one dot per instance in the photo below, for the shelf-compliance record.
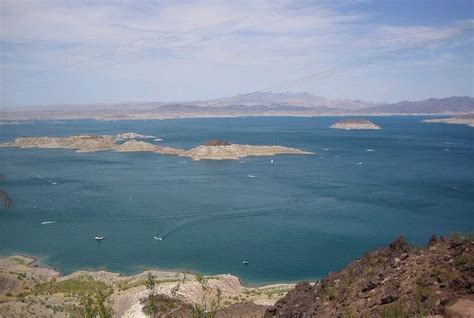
(41, 262)
(28, 285)
(17, 120)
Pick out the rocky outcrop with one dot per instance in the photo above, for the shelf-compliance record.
(30, 290)
(212, 150)
(396, 281)
(217, 142)
(355, 124)
(236, 151)
(132, 135)
(141, 146)
(5, 198)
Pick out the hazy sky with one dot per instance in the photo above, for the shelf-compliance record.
(296, 39)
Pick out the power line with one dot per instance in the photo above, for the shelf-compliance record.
(181, 45)
(206, 39)
(131, 45)
(347, 67)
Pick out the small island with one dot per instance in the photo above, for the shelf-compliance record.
(132, 135)
(235, 151)
(355, 124)
(212, 150)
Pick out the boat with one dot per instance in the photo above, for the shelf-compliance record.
(271, 161)
(99, 238)
(159, 238)
(245, 262)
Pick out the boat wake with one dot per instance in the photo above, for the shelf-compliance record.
(182, 225)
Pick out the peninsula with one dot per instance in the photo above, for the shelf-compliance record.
(355, 124)
(213, 150)
(467, 120)
(26, 288)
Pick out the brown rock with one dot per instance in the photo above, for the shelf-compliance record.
(217, 142)
(433, 240)
(463, 308)
(396, 276)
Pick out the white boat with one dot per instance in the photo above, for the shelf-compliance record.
(245, 262)
(159, 238)
(271, 161)
(99, 238)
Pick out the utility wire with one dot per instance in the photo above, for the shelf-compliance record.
(178, 46)
(349, 66)
(207, 39)
(132, 46)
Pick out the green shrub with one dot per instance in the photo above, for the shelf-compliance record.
(72, 287)
(17, 260)
(395, 310)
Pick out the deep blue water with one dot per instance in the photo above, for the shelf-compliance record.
(301, 217)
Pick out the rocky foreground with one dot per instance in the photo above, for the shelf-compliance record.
(28, 290)
(396, 281)
(133, 142)
(355, 124)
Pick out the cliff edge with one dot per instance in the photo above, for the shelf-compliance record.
(394, 281)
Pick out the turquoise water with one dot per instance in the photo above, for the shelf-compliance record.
(300, 217)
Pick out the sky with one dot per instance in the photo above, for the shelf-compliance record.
(78, 52)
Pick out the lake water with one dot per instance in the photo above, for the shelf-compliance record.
(298, 218)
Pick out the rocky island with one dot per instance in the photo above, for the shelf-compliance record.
(395, 281)
(213, 150)
(467, 120)
(355, 124)
(222, 150)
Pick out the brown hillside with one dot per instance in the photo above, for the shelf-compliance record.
(396, 281)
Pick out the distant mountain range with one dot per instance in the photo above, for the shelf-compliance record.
(462, 104)
(294, 99)
(253, 104)
(307, 102)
